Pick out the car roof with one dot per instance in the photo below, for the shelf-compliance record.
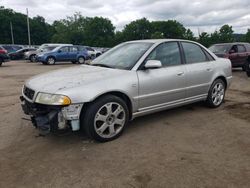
(232, 43)
(161, 40)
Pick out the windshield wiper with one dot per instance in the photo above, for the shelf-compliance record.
(102, 65)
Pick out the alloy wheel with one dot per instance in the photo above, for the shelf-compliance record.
(218, 93)
(51, 61)
(109, 120)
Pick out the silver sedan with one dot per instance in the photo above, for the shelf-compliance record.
(132, 79)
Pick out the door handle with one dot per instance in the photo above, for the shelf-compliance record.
(209, 69)
(180, 73)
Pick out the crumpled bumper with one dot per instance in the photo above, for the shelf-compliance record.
(48, 118)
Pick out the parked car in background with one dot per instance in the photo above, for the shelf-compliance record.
(238, 53)
(75, 54)
(31, 55)
(93, 53)
(130, 80)
(11, 48)
(3, 55)
(19, 54)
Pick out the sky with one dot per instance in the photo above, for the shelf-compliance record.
(198, 15)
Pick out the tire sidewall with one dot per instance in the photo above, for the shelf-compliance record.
(78, 60)
(87, 118)
(209, 98)
(248, 68)
(32, 58)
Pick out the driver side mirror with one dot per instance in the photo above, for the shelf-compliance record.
(153, 64)
(59, 51)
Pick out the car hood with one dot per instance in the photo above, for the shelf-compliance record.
(64, 79)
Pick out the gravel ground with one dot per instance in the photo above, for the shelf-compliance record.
(191, 146)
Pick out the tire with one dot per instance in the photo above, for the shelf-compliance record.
(216, 94)
(33, 58)
(1, 62)
(74, 62)
(248, 73)
(51, 61)
(81, 60)
(98, 54)
(248, 68)
(99, 120)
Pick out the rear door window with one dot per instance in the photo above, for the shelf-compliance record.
(193, 53)
(65, 49)
(241, 49)
(73, 49)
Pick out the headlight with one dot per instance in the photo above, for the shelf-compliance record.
(52, 99)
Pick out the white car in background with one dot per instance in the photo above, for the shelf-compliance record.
(93, 53)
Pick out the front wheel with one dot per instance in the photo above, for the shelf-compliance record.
(105, 118)
(51, 61)
(248, 68)
(216, 94)
(248, 73)
(33, 58)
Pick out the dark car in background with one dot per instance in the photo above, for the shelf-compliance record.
(3, 55)
(238, 53)
(11, 48)
(19, 54)
(75, 54)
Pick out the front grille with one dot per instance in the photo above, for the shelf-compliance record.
(28, 92)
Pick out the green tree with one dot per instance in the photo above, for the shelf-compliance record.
(204, 39)
(226, 34)
(169, 28)
(157, 35)
(40, 31)
(138, 29)
(247, 36)
(189, 35)
(77, 29)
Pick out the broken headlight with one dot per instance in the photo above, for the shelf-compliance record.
(52, 99)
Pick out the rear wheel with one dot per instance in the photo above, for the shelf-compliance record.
(1, 62)
(81, 60)
(248, 68)
(105, 118)
(216, 94)
(33, 58)
(51, 61)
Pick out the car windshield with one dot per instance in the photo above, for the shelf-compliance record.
(222, 49)
(123, 56)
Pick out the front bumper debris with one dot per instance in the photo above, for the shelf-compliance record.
(52, 118)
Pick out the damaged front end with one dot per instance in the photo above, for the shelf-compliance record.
(52, 118)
